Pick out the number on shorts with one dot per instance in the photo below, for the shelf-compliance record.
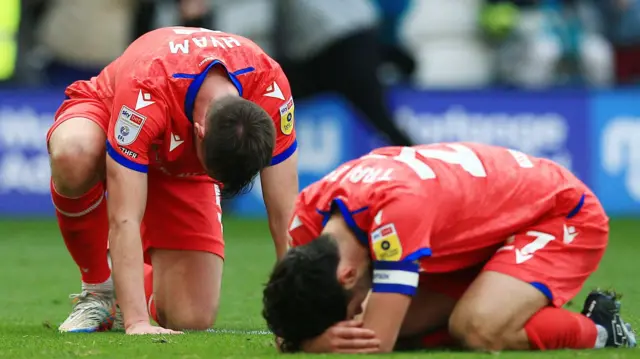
(527, 252)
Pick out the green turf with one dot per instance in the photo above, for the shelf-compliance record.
(36, 274)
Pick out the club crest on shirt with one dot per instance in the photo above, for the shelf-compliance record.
(386, 244)
(128, 126)
(286, 117)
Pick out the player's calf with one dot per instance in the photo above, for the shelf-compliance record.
(77, 155)
(492, 313)
(500, 312)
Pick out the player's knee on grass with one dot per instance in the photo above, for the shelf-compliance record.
(186, 288)
(476, 331)
(187, 318)
(77, 153)
(492, 313)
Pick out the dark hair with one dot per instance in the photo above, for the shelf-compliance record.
(303, 296)
(238, 142)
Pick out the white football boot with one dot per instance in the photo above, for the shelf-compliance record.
(118, 324)
(92, 312)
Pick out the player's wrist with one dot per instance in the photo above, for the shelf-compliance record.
(280, 252)
(136, 322)
(135, 316)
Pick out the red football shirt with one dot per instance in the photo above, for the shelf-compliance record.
(435, 208)
(152, 87)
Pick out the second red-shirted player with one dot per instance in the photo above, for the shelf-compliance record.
(480, 242)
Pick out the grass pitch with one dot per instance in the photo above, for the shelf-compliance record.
(36, 275)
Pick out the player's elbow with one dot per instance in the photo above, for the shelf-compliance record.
(116, 221)
(124, 216)
(120, 224)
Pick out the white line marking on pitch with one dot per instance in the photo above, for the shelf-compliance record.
(241, 332)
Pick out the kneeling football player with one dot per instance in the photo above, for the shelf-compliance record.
(483, 243)
(182, 115)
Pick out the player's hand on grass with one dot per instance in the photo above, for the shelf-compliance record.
(147, 328)
(345, 337)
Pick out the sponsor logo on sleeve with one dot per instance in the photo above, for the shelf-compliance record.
(286, 117)
(127, 152)
(128, 126)
(386, 244)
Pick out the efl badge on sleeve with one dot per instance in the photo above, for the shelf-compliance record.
(128, 126)
(386, 244)
(286, 117)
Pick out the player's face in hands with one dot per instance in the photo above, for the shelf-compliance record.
(358, 291)
(356, 303)
(355, 269)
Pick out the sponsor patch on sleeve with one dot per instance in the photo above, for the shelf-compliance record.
(128, 152)
(286, 117)
(128, 126)
(386, 244)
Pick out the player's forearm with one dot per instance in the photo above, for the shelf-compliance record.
(278, 228)
(384, 314)
(279, 209)
(127, 257)
(388, 334)
(279, 190)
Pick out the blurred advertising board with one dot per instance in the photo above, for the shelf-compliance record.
(614, 139)
(552, 125)
(545, 124)
(25, 117)
(596, 135)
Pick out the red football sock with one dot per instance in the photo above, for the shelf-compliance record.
(84, 226)
(439, 339)
(148, 291)
(557, 328)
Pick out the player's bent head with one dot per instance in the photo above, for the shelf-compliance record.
(303, 296)
(238, 142)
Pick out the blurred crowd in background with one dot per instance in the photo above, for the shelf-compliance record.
(432, 43)
(351, 47)
(386, 60)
